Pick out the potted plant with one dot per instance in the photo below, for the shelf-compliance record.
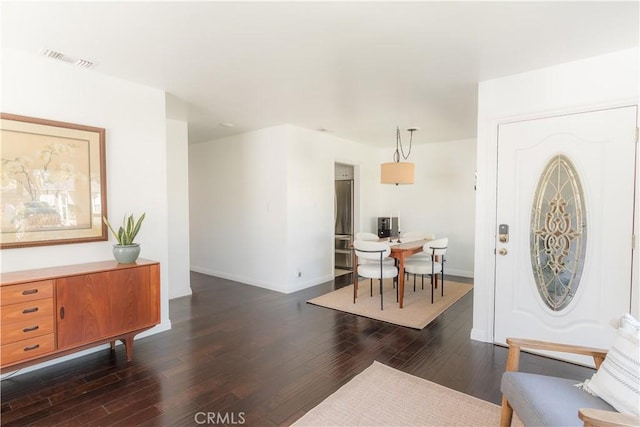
(126, 251)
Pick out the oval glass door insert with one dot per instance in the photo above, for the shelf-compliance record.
(558, 233)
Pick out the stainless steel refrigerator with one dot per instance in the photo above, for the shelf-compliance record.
(344, 224)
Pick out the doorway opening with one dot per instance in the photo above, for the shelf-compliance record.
(343, 218)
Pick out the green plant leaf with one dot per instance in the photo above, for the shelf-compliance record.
(136, 229)
(129, 229)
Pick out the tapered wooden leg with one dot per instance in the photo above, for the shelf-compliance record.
(127, 340)
(506, 413)
(128, 345)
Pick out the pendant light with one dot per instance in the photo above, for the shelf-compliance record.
(398, 172)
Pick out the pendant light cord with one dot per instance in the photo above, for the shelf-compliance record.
(400, 148)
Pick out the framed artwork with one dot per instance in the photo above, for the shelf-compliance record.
(53, 188)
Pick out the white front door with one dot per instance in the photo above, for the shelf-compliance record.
(566, 193)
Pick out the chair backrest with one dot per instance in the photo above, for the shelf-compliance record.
(417, 235)
(372, 250)
(437, 246)
(365, 235)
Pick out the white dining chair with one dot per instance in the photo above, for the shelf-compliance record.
(367, 236)
(372, 237)
(411, 236)
(371, 265)
(434, 264)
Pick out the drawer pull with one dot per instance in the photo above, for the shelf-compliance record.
(29, 310)
(31, 329)
(61, 313)
(30, 292)
(32, 347)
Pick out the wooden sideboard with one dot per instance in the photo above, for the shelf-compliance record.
(50, 312)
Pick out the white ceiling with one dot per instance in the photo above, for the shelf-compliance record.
(357, 69)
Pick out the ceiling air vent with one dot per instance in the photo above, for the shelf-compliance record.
(81, 63)
(52, 54)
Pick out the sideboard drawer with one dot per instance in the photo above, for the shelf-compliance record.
(26, 292)
(29, 310)
(27, 349)
(26, 328)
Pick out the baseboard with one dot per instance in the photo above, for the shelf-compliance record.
(297, 286)
(455, 272)
(480, 335)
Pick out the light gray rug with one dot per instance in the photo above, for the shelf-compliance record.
(383, 396)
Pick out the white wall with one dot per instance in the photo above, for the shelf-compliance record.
(262, 205)
(238, 207)
(178, 208)
(134, 119)
(442, 199)
(591, 83)
(310, 211)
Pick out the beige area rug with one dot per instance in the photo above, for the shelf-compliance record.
(383, 396)
(417, 313)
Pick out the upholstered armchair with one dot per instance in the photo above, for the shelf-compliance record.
(549, 401)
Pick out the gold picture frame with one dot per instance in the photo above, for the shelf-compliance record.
(53, 188)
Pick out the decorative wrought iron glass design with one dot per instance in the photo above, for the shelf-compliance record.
(558, 233)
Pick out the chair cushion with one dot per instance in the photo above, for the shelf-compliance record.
(618, 380)
(420, 256)
(372, 271)
(541, 400)
(422, 267)
(385, 261)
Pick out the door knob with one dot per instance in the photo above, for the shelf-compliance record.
(502, 251)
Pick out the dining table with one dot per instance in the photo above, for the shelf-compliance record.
(400, 251)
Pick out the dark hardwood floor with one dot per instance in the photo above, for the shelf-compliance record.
(256, 356)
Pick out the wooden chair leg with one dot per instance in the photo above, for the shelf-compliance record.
(506, 413)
